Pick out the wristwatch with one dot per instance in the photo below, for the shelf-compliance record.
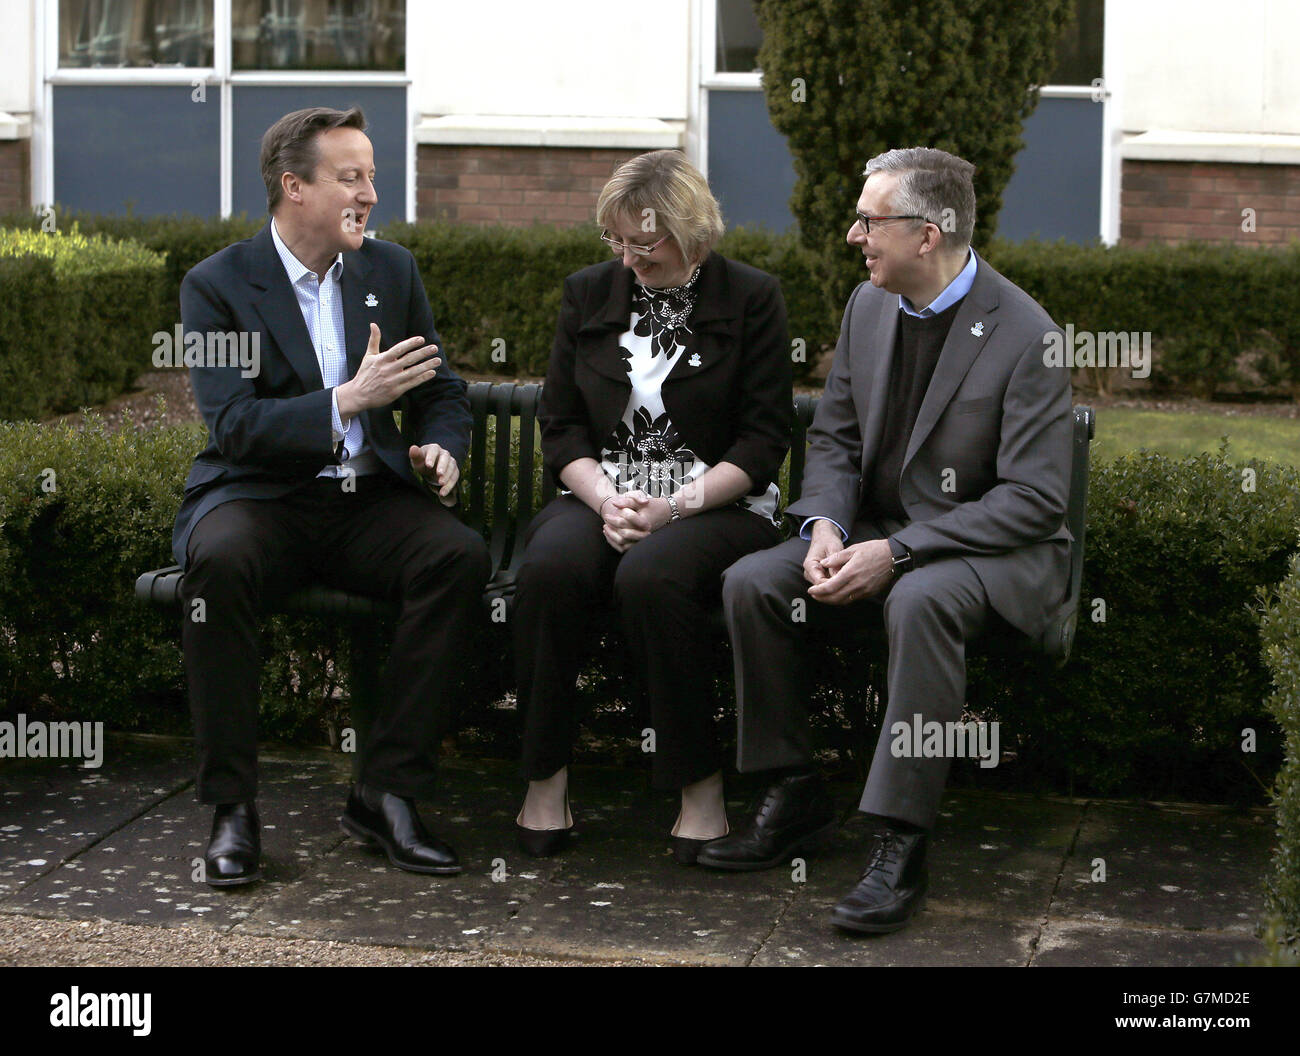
(902, 557)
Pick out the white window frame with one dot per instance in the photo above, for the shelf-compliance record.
(708, 78)
(219, 78)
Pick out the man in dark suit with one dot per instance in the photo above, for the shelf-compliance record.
(934, 493)
(305, 477)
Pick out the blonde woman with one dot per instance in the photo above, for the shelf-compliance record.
(665, 416)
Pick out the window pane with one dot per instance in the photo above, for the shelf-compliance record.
(147, 148)
(255, 108)
(738, 37)
(135, 32)
(319, 34)
(1079, 54)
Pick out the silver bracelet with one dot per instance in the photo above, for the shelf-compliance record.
(672, 505)
(600, 510)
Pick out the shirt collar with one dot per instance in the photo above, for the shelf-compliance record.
(952, 293)
(296, 268)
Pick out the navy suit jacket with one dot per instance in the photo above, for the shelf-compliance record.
(270, 434)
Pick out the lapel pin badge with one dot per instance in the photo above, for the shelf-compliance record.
(694, 361)
(372, 301)
(978, 329)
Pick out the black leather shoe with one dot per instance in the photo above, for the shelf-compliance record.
(794, 813)
(686, 849)
(235, 846)
(891, 888)
(391, 823)
(542, 843)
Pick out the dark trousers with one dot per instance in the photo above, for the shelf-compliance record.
(662, 591)
(382, 539)
(930, 614)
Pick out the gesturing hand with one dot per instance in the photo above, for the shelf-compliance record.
(384, 376)
(437, 466)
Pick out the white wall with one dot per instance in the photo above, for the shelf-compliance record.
(550, 58)
(18, 37)
(1210, 65)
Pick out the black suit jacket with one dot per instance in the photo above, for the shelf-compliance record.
(270, 434)
(733, 407)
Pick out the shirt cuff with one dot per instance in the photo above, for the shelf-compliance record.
(337, 424)
(805, 530)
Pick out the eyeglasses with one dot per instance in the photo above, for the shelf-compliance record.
(640, 251)
(865, 220)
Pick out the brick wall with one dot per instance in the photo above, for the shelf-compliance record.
(512, 185)
(1177, 201)
(15, 175)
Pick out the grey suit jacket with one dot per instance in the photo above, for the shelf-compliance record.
(986, 472)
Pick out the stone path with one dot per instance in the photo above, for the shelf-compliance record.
(97, 866)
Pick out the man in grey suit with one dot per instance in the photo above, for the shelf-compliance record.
(935, 492)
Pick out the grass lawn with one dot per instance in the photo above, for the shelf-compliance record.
(1121, 430)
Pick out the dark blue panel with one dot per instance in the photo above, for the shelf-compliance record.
(749, 164)
(1055, 191)
(255, 109)
(148, 147)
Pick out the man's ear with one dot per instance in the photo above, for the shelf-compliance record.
(291, 186)
(933, 240)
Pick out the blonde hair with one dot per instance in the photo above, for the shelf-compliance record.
(678, 196)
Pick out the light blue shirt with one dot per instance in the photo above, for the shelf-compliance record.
(952, 293)
(321, 304)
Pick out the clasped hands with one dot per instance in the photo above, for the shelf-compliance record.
(631, 516)
(842, 574)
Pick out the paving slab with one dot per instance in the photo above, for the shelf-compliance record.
(612, 920)
(144, 871)
(1011, 875)
(355, 894)
(806, 936)
(52, 810)
(1187, 867)
(1075, 943)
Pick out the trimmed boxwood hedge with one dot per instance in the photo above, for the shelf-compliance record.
(1280, 629)
(1153, 701)
(1221, 318)
(98, 306)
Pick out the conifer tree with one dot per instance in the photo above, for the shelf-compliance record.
(847, 79)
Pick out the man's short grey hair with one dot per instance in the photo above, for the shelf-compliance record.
(933, 184)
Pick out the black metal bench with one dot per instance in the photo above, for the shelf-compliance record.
(504, 487)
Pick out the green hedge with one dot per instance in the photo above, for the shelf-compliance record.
(1280, 628)
(1165, 677)
(182, 241)
(82, 514)
(1221, 318)
(85, 335)
(1153, 701)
